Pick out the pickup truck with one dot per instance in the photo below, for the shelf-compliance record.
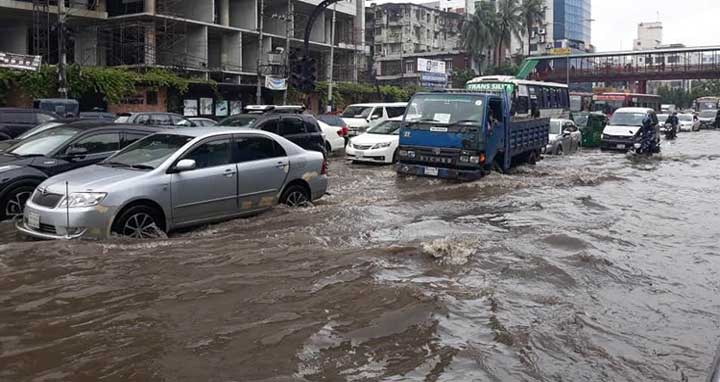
(464, 135)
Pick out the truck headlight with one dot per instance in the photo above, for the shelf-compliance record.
(381, 145)
(83, 199)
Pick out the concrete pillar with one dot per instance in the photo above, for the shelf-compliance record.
(150, 45)
(150, 6)
(224, 12)
(231, 52)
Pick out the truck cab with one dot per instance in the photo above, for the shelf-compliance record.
(464, 135)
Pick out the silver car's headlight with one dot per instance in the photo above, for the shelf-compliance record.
(382, 145)
(83, 199)
(9, 167)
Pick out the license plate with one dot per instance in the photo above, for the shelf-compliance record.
(431, 171)
(33, 220)
(620, 146)
(360, 154)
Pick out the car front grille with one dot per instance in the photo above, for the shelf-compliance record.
(362, 147)
(617, 138)
(46, 199)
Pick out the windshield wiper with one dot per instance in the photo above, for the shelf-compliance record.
(133, 166)
(115, 164)
(142, 167)
(30, 155)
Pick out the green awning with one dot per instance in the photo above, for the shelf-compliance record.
(527, 67)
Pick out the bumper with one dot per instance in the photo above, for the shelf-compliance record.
(336, 143)
(438, 172)
(384, 155)
(318, 186)
(617, 145)
(90, 223)
(550, 148)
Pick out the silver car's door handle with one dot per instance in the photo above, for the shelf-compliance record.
(280, 165)
(229, 173)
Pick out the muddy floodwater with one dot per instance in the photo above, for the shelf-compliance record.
(591, 267)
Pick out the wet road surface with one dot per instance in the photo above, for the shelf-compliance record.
(591, 267)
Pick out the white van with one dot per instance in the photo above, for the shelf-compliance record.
(360, 116)
(621, 133)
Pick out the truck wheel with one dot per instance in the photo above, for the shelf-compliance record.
(532, 158)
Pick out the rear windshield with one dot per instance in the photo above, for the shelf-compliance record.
(332, 120)
(357, 111)
(239, 120)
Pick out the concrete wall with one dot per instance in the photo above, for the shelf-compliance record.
(215, 52)
(86, 48)
(197, 45)
(15, 36)
(249, 53)
(243, 14)
(232, 51)
(198, 10)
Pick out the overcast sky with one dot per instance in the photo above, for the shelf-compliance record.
(690, 22)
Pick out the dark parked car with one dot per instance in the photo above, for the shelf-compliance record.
(301, 129)
(154, 119)
(239, 120)
(29, 162)
(15, 121)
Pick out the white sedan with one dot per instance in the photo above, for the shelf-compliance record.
(334, 137)
(688, 123)
(379, 144)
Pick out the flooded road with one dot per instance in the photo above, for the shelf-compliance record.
(591, 267)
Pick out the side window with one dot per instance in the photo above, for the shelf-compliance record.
(394, 112)
(256, 148)
(142, 119)
(377, 113)
(210, 154)
(161, 120)
(291, 125)
(269, 126)
(98, 143)
(131, 138)
(312, 126)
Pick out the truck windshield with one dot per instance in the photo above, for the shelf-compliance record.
(446, 108)
(708, 114)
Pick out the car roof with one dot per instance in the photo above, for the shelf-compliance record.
(634, 109)
(25, 109)
(198, 132)
(380, 104)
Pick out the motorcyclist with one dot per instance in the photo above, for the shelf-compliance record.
(673, 121)
(648, 140)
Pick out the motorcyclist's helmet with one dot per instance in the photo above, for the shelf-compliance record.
(647, 121)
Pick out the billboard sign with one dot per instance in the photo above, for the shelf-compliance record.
(274, 83)
(430, 66)
(20, 61)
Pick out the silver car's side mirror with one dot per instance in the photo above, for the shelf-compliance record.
(185, 165)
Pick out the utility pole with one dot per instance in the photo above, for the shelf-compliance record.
(332, 60)
(62, 54)
(289, 32)
(258, 94)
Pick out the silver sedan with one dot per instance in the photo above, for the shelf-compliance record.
(175, 179)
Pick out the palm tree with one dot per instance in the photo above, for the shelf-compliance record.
(532, 13)
(508, 23)
(478, 32)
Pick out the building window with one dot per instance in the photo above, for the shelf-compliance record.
(409, 67)
(151, 97)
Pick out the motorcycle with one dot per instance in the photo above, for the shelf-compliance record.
(647, 143)
(670, 131)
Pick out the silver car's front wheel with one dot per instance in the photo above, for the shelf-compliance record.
(139, 222)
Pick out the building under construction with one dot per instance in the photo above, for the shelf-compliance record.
(206, 39)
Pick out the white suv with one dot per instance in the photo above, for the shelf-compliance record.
(360, 116)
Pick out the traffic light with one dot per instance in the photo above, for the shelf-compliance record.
(310, 74)
(296, 72)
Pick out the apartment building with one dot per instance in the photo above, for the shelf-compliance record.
(212, 39)
(400, 34)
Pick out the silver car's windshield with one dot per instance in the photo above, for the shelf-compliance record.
(37, 129)
(627, 119)
(149, 152)
(386, 128)
(44, 143)
(685, 117)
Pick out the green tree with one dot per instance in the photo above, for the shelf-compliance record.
(508, 23)
(478, 37)
(532, 13)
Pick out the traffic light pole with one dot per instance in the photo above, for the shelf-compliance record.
(62, 54)
(258, 93)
